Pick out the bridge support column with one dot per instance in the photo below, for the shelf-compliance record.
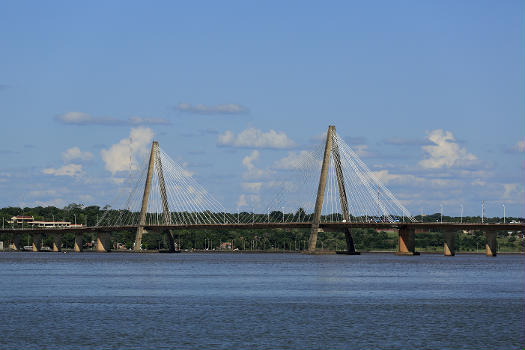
(491, 244)
(449, 245)
(171, 242)
(57, 243)
(37, 242)
(78, 243)
(16, 243)
(350, 247)
(103, 242)
(407, 241)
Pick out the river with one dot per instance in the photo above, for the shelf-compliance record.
(261, 301)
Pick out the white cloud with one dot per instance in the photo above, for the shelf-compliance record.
(414, 181)
(254, 138)
(185, 171)
(362, 150)
(252, 172)
(513, 192)
(296, 160)
(74, 153)
(445, 152)
(519, 146)
(118, 156)
(43, 193)
(242, 202)
(118, 180)
(58, 202)
(75, 118)
(230, 108)
(138, 121)
(247, 200)
(65, 170)
(254, 187)
(387, 178)
(79, 118)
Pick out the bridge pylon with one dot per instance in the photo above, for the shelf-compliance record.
(155, 164)
(331, 149)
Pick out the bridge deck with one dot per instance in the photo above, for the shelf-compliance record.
(326, 226)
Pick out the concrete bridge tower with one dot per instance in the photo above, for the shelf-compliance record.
(155, 164)
(331, 148)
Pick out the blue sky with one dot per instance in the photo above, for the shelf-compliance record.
(430, 94)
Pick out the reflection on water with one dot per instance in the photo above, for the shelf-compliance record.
(260, 301)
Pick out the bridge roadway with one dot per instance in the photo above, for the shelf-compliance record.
(406, 245)
(325, 226)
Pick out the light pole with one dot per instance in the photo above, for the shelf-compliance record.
(503, 212)
(268, 215)
(441, 211)
(75, 215)
(238, 215)
(461, 213)
(282, 208)
(482, 210)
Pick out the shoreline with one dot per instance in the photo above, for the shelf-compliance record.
(325, 252)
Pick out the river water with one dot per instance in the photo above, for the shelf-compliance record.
(260, 301)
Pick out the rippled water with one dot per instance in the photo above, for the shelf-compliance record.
(260, 301)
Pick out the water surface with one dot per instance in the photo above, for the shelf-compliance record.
(261, 301)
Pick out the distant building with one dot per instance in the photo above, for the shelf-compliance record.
(31, 222)
(20, 219)
(50, 224)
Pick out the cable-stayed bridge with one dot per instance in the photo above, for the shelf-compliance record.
(329, 188)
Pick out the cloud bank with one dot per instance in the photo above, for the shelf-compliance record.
(74, 153)
(255, 138)
(230, 108)
(519, 146)
(79, 118)
(445, 152)
(65, 170)
(123, 155)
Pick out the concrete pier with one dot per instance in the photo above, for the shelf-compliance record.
(37, 242)
(491, 244)
(449, 244)
(57, 243)
(350, 247)
(16, 243)
(407, 241)
(171, 242)
(103, 242)
(78, 243)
